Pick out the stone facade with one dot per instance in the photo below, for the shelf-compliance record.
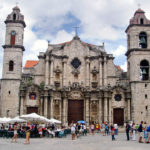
(77, 80)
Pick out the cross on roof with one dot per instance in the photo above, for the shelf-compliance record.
(76, 29)
(17, 3)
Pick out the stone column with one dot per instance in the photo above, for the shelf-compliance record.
(45, 105)
(105, 71)
(41, 106)
(100, 110)
(128, 101)
(64, 110)
(47, 71)
(64, 72)
(87, 73)
(105, 110)
(87, 111)
(110, 119)
(22, 105)
(60, 109)
(100, 72)
(52, 72)
(51, 106)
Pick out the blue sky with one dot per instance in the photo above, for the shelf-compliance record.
(99, 21)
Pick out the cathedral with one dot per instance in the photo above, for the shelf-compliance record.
(76, 80)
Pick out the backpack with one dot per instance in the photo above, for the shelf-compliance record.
(148, 129)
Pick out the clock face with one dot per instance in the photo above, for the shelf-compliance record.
(118, 97)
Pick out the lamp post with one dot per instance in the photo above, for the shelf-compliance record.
(7, 113)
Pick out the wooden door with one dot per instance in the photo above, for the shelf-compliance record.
(75, 110)
(32, 110)
(119, 116)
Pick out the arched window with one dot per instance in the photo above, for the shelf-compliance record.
(143, 40)
(14, 16)
(12, 39)
(11, 65)
(141, 21)
(144, 70)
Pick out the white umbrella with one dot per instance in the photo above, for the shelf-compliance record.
(4, 120)
(17, 119)
(52, 120)
(34, 118)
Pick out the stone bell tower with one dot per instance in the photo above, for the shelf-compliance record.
(12, 63)
(138, 61)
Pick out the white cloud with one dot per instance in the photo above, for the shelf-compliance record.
(99, 20)
(39, 45)
(62, 36)
(119, 51)
(124, 66)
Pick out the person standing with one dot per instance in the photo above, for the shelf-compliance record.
(116, 129)
(134, 132)
(127, 130)
(73, 129)
(15, 132)
(113, 132)
(140, 130)
(28, 129)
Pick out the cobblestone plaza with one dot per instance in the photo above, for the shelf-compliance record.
(89, 142)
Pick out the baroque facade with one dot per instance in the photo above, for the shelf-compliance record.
(76, 80)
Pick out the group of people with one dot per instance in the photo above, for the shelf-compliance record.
(78, 129)
(27, 130)
(143, 131)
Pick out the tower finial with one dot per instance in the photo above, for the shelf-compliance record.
(139, 5)
(76, 30)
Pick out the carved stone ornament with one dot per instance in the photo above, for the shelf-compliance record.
(94, 71)
(75, 95)
(75, 72)
(94, 84)
(57, 70)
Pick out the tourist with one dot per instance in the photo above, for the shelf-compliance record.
(113, 132)
(73, 131)
(97, 127)
(116, 128)
(140, 130)
(145, 131)
(92, 128)
(148, 132)
(134, 132)
(28, 129)
(40, 132)
(84, 129)
(15, 132)
(127, 131)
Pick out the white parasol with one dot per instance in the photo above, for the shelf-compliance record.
(52, 120)
(4, 120)
(17, 119)
(34, 118)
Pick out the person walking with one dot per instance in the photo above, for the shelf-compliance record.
(127, 130)
(15, 132)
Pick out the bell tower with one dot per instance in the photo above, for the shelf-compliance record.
(12, 63)
(138, 60)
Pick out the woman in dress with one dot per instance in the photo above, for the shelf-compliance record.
(15, 132)
(28, 129)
